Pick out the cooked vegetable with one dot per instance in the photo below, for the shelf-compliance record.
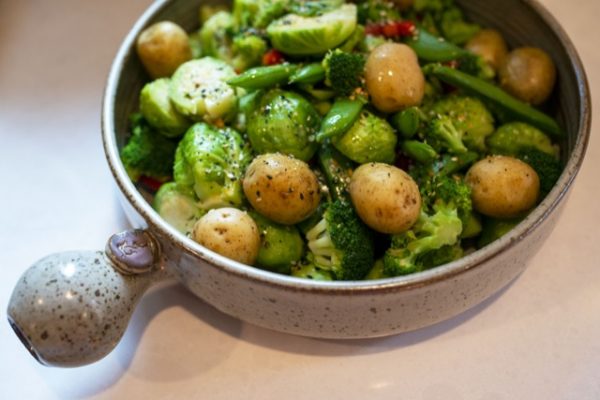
(342, 115)
(211, 162)
(377, 11)
(162, 48)
(282, 188)
(344, 71)
(430, 236)
(264, 77)
(331, 102)
(340, 244)
(156, 107)
(503, 187)
(394, 78)
(529, 74)
(419, 151)
(281, 246)
(248, 51)
(308, 270)
(494, 229)
(490, 45)
(216, 37)
(509, 106)
(284, 122)
(548, 167)
(199, 90)
(298, 35)
(177, 206)
(443, 134)
(408, 121)
(469, 116)
(512, 138)
(229, 232)
(369, 139)
(435, 238)
(147, 152)
(386, 198)
(311, 73)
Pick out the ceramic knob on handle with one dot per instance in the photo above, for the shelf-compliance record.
(72, 308)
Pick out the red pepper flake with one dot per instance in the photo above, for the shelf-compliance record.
(150, 183)
(272, 57)
(394, 29)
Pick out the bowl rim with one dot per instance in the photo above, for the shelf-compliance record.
(441, 273)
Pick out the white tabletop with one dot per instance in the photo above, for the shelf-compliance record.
(538, 339)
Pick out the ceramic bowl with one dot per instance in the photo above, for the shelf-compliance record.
(85, 299)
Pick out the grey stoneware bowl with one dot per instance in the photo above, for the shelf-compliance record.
(72, 308)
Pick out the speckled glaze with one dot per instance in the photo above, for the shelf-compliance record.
(336, 309)
(72, 308)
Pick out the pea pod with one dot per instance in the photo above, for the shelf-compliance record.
(264, 77)
(451, 164)
(419, 151)
(496, 97)
(434, 49)
(337, 169)
(311, 73)
(342, 115)
(408, 121)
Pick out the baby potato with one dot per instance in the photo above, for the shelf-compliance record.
(490, 45)
(502, 186)
(386, 198)
(281, 188)
(162, 48)
(529, 74)
(394, 78)
(229, 232)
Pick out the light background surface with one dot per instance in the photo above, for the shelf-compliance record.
(538, 339)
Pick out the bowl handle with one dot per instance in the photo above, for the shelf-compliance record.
(72, 308)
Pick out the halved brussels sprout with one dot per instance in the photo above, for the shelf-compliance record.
(284, 122)
(297, 35)
(199, 89)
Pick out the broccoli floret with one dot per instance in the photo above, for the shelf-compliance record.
(475, 65)
(344, 71)
(147, 152)
(468, 115)
(341, 244)
(408, 251)
(446, 192)
(247, 51)
(454, 27)
(548, 167)
(445, 18)
(308, 270)
(442, 133)
(440, 256)
(377, 11)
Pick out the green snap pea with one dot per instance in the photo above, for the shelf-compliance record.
(311, 73)
(337, 169)
(419, 151)
(408, 121)
(496, 97)
(451, 164)
(433, 49)
(342, 115)
(264, 77)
